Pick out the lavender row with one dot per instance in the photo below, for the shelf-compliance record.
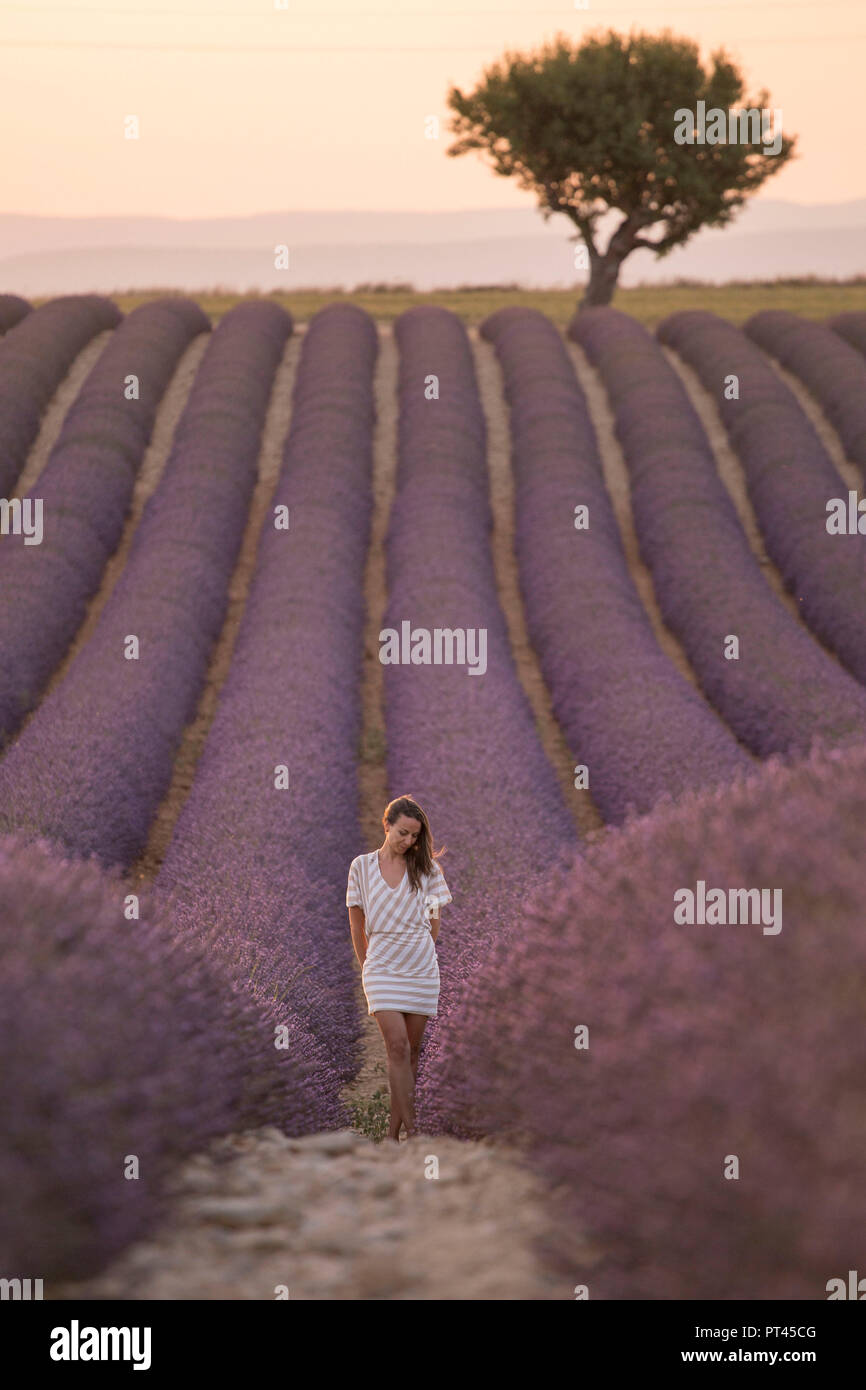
(12, 310)
(654, 1060)
(790, 477)
(831, 368)
(629, 716)
(35, 355)
(463, 744)
(782, 690)
(852, 327)
(263, 843)
(120, 1037)
(92, 765)
(84, 494)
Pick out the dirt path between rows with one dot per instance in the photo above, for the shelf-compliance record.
(733, 475)
(586, 815)
(57, 410)
(848, 471)
(371, 1082)
(148, 476)
(194, 735)
(336, 1215)
(616, 479)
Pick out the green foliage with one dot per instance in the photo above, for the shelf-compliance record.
(371, 1116)
(808, 296)
(372, 747)
(590, 129)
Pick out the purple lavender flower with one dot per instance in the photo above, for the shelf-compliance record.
(85, 490)
(783, 690)
(35, 355)
(704, 1042)
(464, 745)
(269, 863)
(852, 327)
(97, 756)
(831, 368)
(790, 478)
(628, 714)
(119, 1037)
(12, 310)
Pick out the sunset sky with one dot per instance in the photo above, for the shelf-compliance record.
(244, 108)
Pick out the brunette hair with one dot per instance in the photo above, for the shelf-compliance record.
(419, 859)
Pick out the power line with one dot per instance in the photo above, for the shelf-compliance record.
(561, 11)
(233, 49)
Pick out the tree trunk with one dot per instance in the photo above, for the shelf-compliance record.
(603, 275)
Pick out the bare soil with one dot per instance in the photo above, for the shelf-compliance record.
(58, 407)
(335, 1216)
(616, 478)
(586, 815)
(270, 461)
(848, 471)
(733, 475)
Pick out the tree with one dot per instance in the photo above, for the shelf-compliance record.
(604, 126)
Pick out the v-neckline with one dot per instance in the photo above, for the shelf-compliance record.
(384, 879)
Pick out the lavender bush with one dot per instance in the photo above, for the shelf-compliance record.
(851, 327)
(12, 310)
(626, 711)
(464, 745)
(790, 478)
(831, 368)
(96, 758)
(35, 355)
(118, 1038)
(704, 1041)
(784, 690)
(86, 488)
(269, 865)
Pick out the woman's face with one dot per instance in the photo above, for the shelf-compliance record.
(403, 834)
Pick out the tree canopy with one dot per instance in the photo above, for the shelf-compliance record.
(604, 126)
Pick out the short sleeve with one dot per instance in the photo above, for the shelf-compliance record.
(437, 888)
(354, 897)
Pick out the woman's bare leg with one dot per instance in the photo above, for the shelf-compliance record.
(415, 1024)
(400, 1077)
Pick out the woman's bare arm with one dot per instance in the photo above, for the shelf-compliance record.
(358, 924)
(434, 924)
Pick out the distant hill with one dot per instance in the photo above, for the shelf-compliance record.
(53, 255)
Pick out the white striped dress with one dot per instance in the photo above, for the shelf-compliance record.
(400, 969)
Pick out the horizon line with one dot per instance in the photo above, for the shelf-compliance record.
(356, 212)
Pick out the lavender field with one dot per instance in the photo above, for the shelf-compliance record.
(647, 761)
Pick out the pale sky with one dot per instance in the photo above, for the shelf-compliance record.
(326, 110)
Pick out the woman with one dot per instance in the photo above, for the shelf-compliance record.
(394, 896)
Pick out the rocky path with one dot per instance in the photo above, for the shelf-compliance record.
(337, 1216)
